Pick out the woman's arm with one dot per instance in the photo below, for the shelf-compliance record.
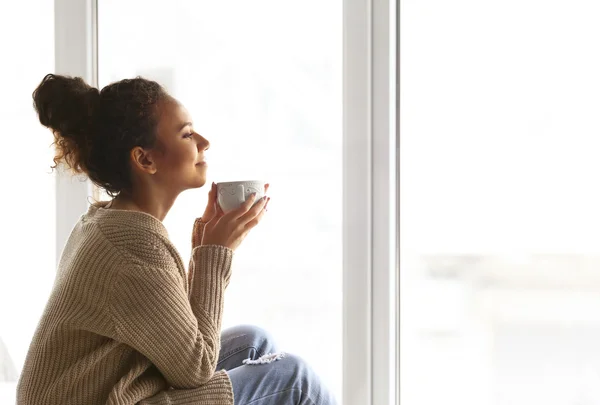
(197, 233)
(152, 313)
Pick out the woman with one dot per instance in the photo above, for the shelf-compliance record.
(124, 324)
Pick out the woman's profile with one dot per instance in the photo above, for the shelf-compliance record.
(125, 323)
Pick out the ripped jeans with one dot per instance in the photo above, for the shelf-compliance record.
(261, 375)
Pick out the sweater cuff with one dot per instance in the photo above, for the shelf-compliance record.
(198, 232)
(212, 272)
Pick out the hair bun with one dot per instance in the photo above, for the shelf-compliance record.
(66, 105)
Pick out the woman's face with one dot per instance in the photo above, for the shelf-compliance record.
(179, 155)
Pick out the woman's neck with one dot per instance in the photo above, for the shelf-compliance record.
(157, 207)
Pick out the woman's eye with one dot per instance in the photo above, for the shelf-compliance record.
(188, 135)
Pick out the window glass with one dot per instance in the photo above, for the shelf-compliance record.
(28, 185)
(262, 81)
(499, 283)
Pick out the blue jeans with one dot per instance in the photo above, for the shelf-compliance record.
(258, 379)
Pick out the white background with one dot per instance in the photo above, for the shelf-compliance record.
(28, 198)
(499, 202)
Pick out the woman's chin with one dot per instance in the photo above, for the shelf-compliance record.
(200, 183)
(192, 184)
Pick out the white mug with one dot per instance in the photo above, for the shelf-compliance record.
(232, 194)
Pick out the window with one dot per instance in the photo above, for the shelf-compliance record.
(262, 81)
(27, 203)
(499, 203)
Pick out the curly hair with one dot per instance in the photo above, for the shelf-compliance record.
(95, 131)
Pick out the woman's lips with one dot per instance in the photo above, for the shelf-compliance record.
(203, 163)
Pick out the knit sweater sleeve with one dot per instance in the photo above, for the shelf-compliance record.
(153, 314)
(197, 235)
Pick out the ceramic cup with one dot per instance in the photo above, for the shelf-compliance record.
(231, 194)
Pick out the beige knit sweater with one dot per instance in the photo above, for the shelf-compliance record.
(124, 325)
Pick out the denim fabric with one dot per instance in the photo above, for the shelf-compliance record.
(264, 380)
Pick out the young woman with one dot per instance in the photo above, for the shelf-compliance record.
(124, 323)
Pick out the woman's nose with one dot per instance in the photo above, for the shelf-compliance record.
(203, 143)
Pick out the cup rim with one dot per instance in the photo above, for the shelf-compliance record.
(228, 183)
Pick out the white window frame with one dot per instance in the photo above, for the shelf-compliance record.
(76, 54)
(370, 167)
(397, 202)
(371, 240)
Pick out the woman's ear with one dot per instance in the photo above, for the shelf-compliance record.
(142, 160)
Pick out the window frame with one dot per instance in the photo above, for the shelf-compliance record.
(76, 54)
(370, 158)
(371, 240)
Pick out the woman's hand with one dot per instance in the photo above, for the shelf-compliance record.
(211, 206)
(230, 229)
(211, 211)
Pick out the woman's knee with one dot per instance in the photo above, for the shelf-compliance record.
(280, 372)
(254, 336)
(302, 376)
(298, 368)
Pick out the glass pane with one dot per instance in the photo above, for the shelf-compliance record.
(500, 284)
(28, 197)
(266, 92)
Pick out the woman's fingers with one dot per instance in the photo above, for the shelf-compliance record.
(231, 229)
(249, 209)
(212, 195)
(216, 211)
(210, 211)
(256, 219)
(245, 207)
(248, 204)
(254, 211)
